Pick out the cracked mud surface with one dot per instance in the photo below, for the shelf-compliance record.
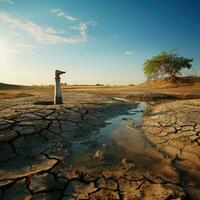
(174, 130)
(35, 150)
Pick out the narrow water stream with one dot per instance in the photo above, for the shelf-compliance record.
(121, 140)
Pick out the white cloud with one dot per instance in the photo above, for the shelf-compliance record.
(25, 46)
(55, 10)
(82, 28)
(51, 30)
(7, 1)
(129, 52)
(60, 13)
(46, 35)
(92, 23)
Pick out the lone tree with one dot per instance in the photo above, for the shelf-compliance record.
(166, 64)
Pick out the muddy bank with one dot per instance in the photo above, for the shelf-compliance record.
(153, 96)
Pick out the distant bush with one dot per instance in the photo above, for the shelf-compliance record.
(64, 84)
(98, 84)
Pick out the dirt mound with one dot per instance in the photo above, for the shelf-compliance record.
(167, 83)
(4, 86)
(21, 95)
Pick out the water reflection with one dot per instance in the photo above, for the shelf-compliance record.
(116, 141)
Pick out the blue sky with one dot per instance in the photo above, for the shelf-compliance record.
(94, 41)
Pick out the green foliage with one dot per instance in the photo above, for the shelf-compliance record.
(166, 64)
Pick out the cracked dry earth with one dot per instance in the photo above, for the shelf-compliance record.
(35, 151)
(173, 129)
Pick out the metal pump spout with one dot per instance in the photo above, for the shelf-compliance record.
(58, 73)
(57, 90)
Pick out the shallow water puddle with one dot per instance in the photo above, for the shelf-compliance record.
(119, 141)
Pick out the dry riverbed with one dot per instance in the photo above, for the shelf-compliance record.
(98, 147)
